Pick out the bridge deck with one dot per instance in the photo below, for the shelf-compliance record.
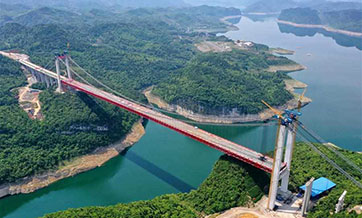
(240, 152)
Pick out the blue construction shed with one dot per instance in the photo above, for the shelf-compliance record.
(320, 186)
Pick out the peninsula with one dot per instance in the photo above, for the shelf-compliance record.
(232, 79)
(347, 22)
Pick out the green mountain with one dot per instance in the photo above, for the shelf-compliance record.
(12, 9)
(269, 6)
(349, 19)
(46, 15)
(301, 15)
(7, 11)
(97, 4)
(222, 3)
(214, 84)
(337, 6)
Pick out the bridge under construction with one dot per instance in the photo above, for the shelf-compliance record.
(279, 167)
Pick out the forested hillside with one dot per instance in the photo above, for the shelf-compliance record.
(347, 16)
(82, 5)
(301, 15)
(269, 6)
(350, 19)
(233, 183)
(31, 146)
(307, 163)
(220, 83)
(46, 15)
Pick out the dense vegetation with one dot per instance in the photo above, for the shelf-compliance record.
(233, 183)
(10, 77)
(216, 83)
(85, 5)
(31, 146)
(325, 6)
(200, 19)
(301, 15)
(271, 6)
(348, 19)
(307, 164)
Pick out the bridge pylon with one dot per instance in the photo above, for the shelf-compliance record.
(288, 156)
(67, 65)
(57, 67)
(275, 175)
(288, 127)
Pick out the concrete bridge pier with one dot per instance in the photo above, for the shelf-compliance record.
(38, 76)
(53, 81)
(47, 81)
(278, 153)
(59, 88)
(34, 75)
(42, 78)
(288, 157)
(31, 71)
(67, 66)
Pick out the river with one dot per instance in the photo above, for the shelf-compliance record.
(164, 161)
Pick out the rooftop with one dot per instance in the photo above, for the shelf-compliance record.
(320, 185)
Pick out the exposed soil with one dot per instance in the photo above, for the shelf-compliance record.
(225, 20)
(282, 51)
(258, 211)
(214, 46)
(29, 99)
(286, 68)
(357, 209)
(221, 46)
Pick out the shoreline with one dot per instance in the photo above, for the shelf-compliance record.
(75, 166)
(230, 26)
(225, 19)
(261, 13)
(267, 114)
(326, 28)
(286, 68)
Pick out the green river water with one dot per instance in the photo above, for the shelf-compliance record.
(164, 161)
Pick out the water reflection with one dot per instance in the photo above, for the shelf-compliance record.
(157, 171)
(260, 18)
(340, 39)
